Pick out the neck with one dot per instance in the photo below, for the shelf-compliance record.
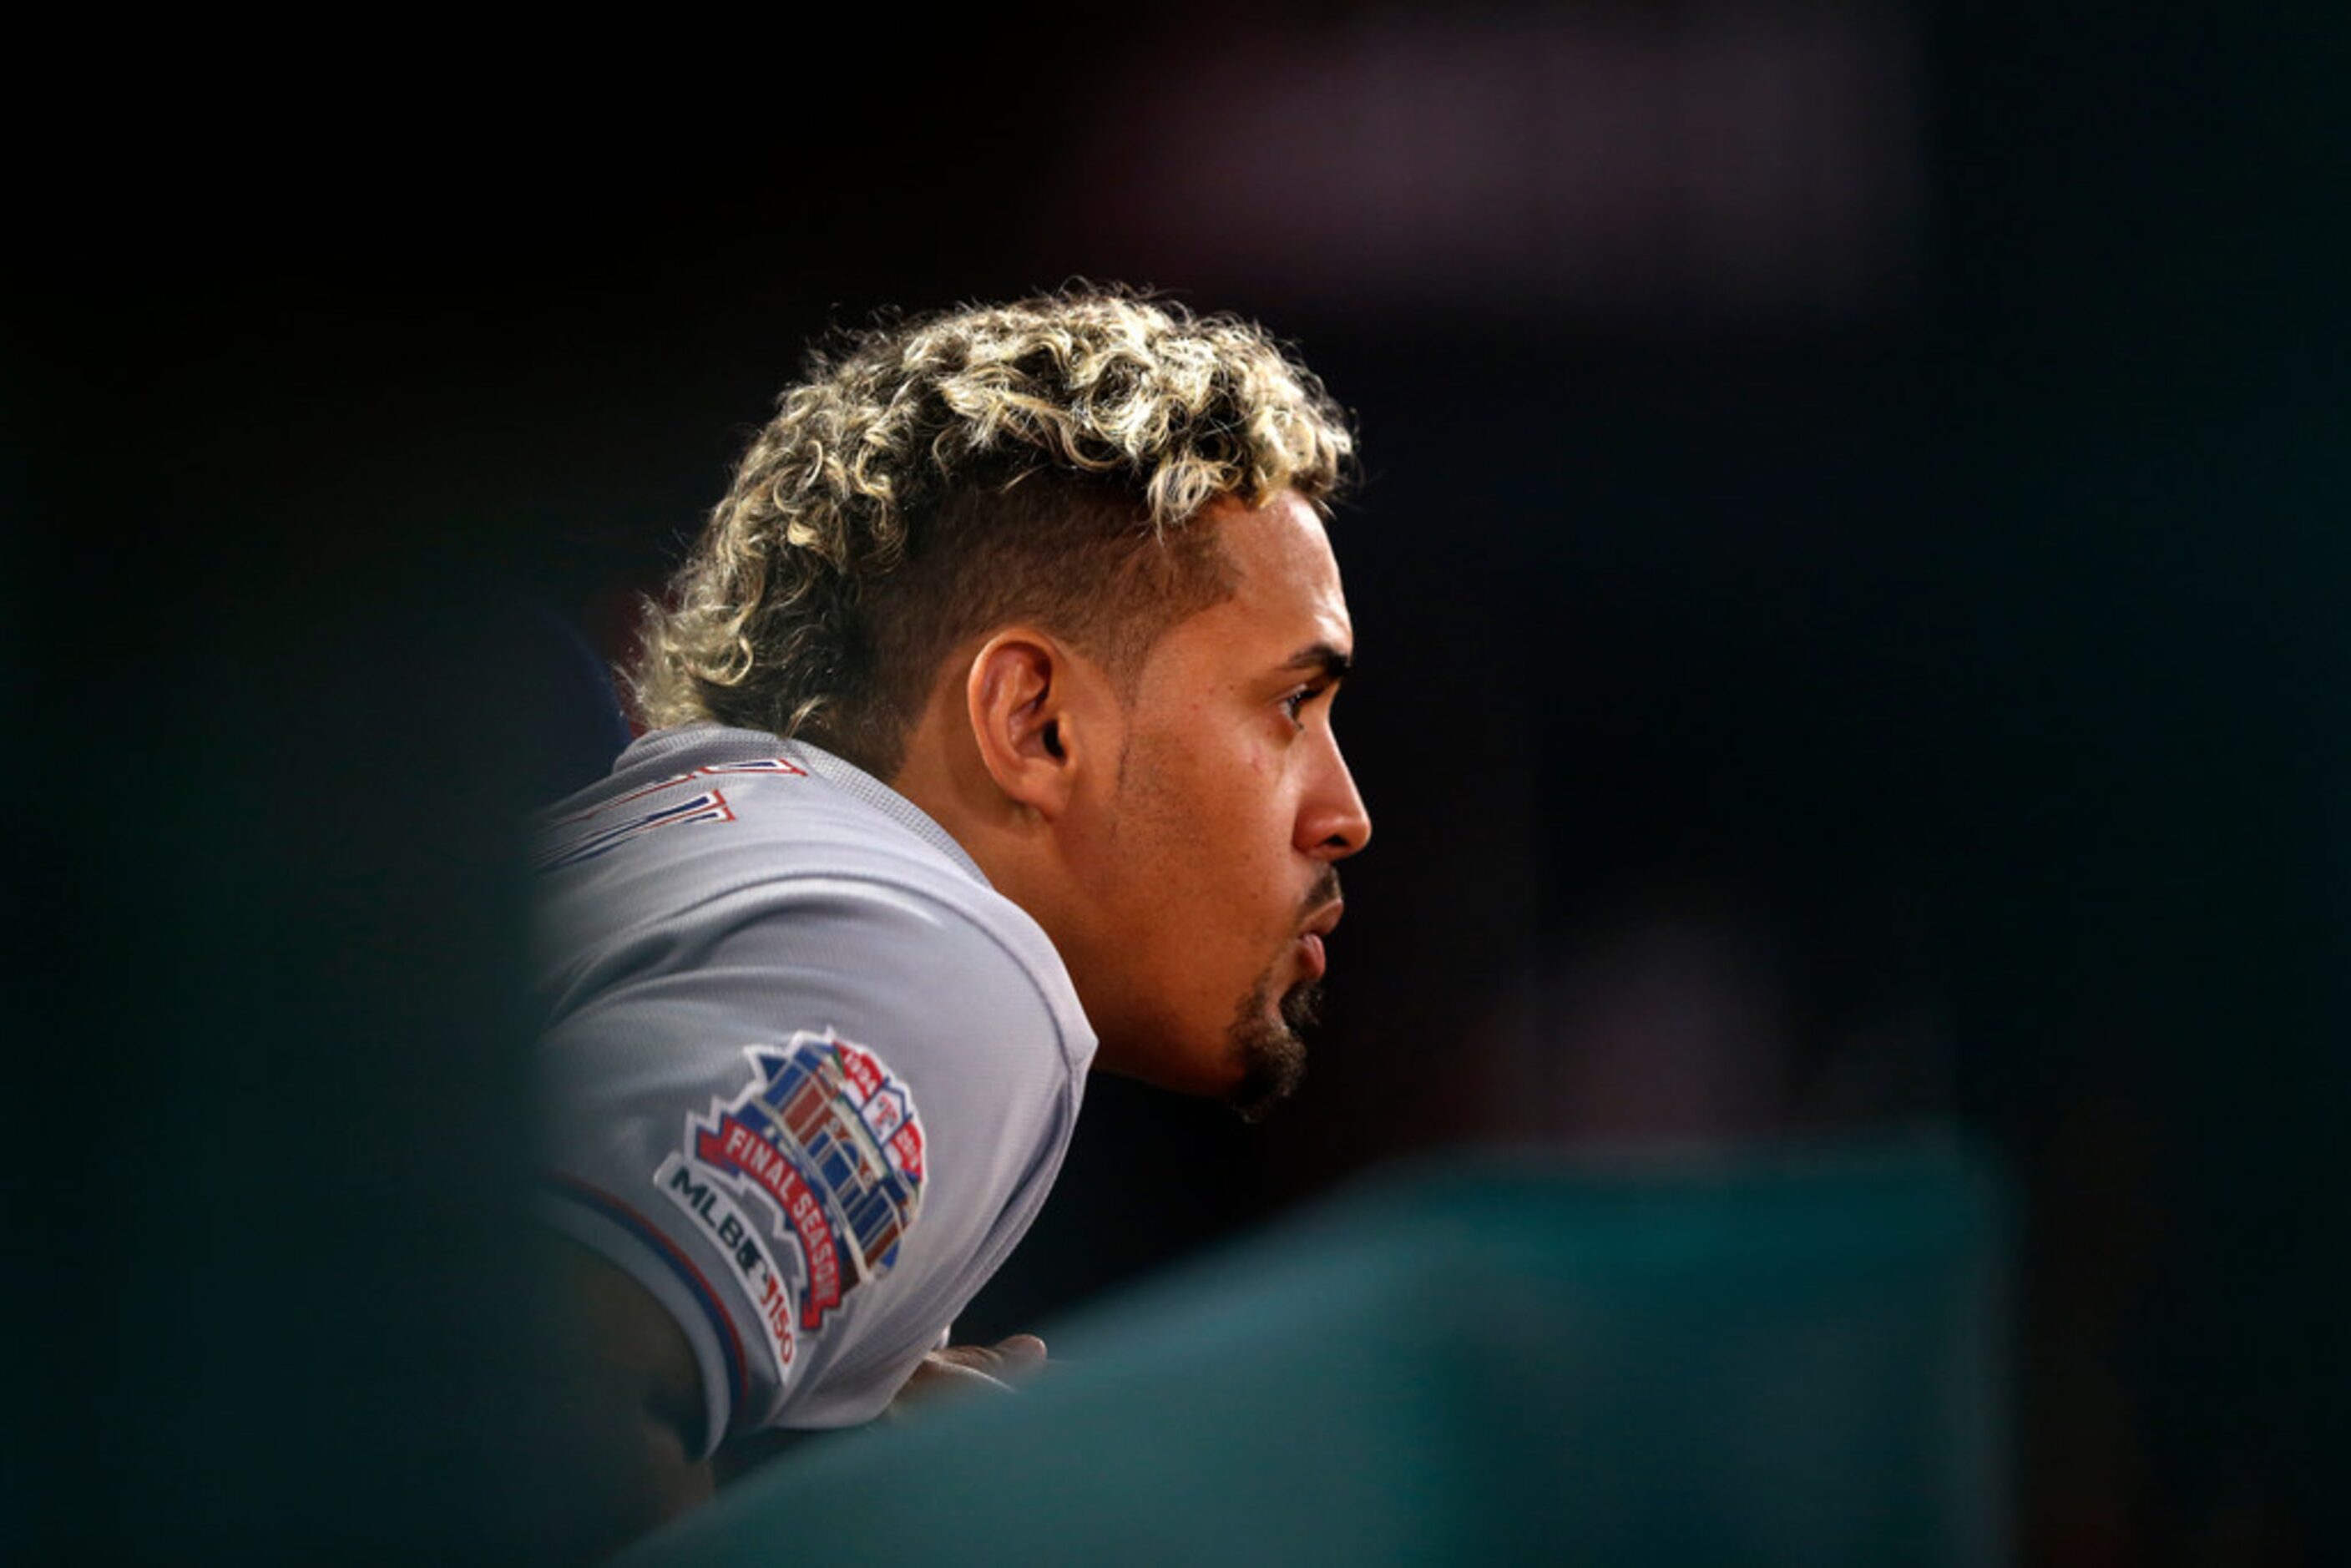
(1012, 845)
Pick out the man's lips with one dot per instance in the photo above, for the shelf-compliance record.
(1312, 959)
(1311, 962)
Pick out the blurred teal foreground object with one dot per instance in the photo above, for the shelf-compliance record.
(1794, 1361)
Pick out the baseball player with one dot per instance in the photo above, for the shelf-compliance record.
(993, 745)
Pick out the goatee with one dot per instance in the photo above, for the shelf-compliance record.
(1271, 1047)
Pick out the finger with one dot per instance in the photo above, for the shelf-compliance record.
(1017, 1356)
(1021, 1353)
(937, 1378)
(942, 1369)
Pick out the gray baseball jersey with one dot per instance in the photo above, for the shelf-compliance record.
(806, 1077)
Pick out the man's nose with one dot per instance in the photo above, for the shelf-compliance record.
(1338, 824)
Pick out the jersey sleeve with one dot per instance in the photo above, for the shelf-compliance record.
(809, 1118)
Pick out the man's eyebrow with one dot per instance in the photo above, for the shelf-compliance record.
(1335, 664)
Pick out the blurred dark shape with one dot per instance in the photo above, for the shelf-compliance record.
(273, 1144)
(1690, 1014)
(1660, 171)
(1796, 1360)
(580, 723)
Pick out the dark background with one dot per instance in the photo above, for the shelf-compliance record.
(1848, 583)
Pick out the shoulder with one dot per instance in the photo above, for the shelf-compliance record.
(785, 1022)
(749, 863)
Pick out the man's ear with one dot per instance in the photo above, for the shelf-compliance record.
(1034, 708)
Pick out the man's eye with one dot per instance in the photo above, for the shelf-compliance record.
(1294, 705)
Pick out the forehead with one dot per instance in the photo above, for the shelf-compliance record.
(1285, 580)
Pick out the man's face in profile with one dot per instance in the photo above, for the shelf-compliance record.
(1216, 879)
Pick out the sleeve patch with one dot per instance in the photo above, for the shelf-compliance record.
(826, 1140)
(727, 1230)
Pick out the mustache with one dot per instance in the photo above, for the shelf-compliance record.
(1324, 892)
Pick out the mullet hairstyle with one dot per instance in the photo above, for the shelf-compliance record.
(932, 479)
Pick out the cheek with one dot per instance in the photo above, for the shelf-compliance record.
(1216, 824)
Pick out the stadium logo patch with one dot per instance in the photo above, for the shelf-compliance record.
(830, 1141)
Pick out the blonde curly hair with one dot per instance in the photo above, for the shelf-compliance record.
(932, 478)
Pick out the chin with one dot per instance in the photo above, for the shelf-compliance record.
(1269, 1047)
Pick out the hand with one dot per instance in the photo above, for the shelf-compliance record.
(999, 1367)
